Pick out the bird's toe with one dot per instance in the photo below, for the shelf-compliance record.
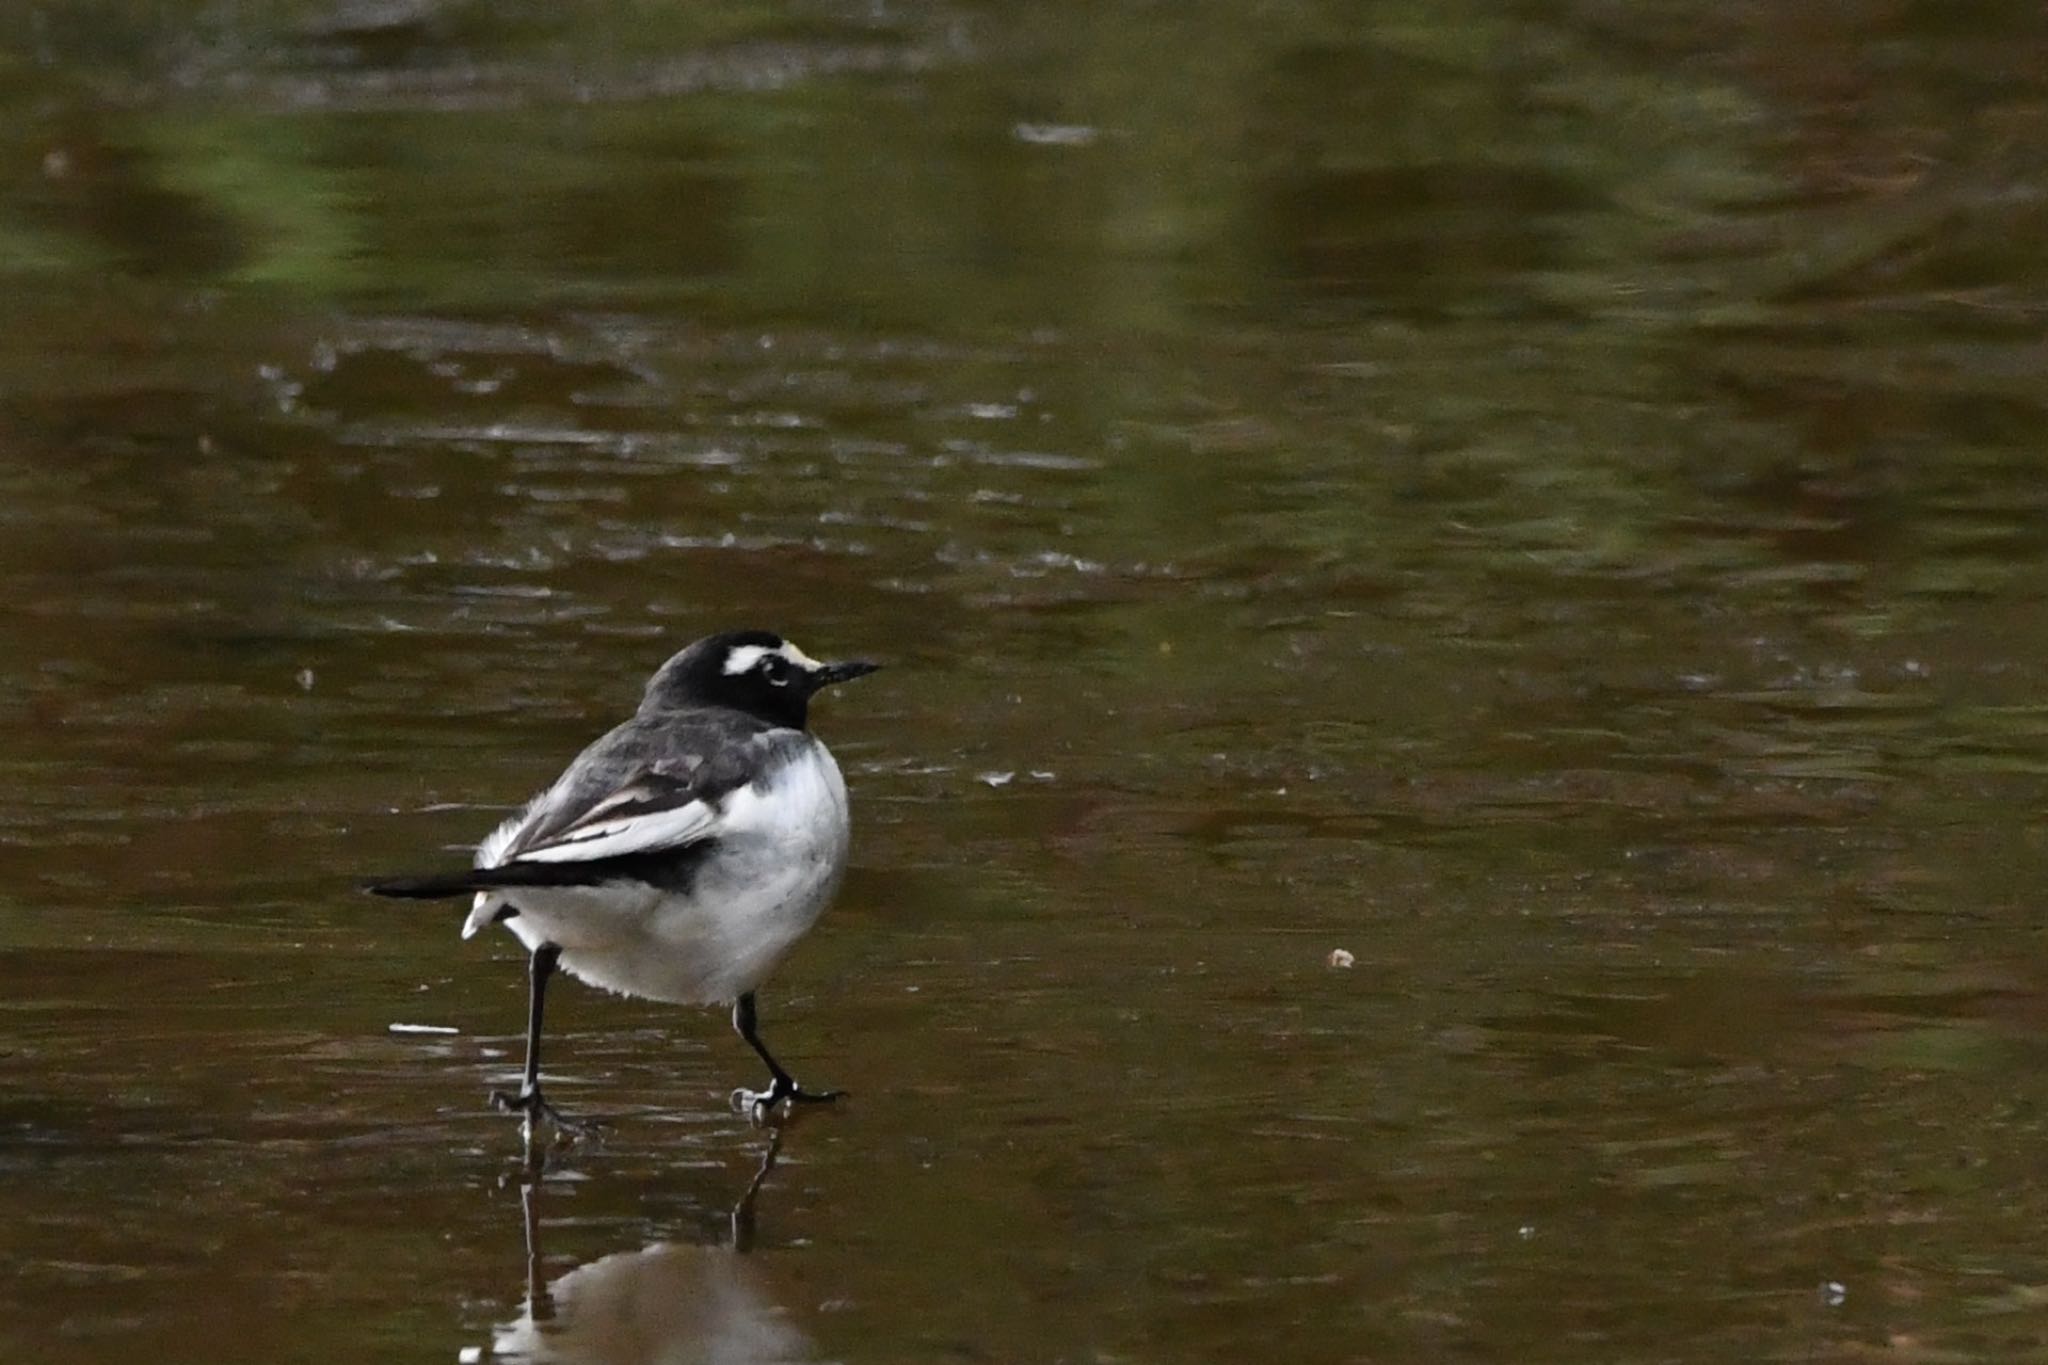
(759, 1105)
(532, 1106)
(802, 1096)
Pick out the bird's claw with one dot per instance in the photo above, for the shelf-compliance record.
(757, 1105)
(533, 1106)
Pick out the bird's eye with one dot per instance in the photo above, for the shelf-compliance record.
(775, 669)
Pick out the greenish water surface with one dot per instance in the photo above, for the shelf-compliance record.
(1547, 499)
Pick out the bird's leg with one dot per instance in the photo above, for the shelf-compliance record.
(781, 1085)
(529, 1102)
(743, 1212)
(540, 1305)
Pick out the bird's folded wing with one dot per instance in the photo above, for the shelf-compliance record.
(650, 813)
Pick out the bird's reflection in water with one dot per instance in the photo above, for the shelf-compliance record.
(665, 1304)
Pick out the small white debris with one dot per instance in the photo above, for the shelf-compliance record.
(306, 680)
(997, 779)
(422, 1028)
(1341, 957)
(1053, 134)
(1834, 1293)
(470, 1355)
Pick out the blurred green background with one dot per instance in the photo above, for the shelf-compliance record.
(1547, 498)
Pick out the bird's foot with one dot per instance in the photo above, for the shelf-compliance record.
(759, 1104)
(534, 1106)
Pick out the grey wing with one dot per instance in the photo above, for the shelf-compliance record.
(647, 786)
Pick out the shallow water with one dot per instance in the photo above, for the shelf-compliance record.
(1546, 501)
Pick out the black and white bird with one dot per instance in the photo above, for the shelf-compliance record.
(681, 855)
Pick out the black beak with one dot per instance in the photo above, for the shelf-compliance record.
(845, 671)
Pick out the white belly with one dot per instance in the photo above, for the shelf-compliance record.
(779, 860)
(666, 1305)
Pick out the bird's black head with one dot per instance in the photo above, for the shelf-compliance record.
(754, 671)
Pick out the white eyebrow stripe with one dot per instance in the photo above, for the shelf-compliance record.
(799, 658)
(745, 657)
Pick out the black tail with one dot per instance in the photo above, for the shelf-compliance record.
(474, 879)
(429, 888)
(668, 869)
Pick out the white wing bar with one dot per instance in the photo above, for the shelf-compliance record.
(671, 828)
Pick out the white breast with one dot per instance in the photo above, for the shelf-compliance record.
(781, 851)
(664, 1305)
